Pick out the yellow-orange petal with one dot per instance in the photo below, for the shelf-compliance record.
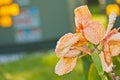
(110, 34)
(105, 66)
(65, 65)
(114, 44)
(91, 35)
(78, 47)
(107, 54)
(82, 17)
(94, 32)
(115, 36)
(73, 52)
(111, 22)
(65, 42)
(114, 47)
(99, 28)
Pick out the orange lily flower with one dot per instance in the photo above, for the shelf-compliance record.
(68, 48)
(92, 30)
(71, 45)
(111, 44)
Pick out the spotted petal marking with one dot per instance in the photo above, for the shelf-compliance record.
(82, 17)
(65, 65)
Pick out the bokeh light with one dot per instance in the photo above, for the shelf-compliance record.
(5, 2)
(6, 21)
(14, 9)
(4, 11)
(1, 2)
(118, 1)
(7, 11)
(112, 7)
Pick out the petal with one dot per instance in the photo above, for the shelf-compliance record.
(84, 49)
(65, 65)
(82, 42)
(105, 66)
(107, 54)
(115, 36)
(111, 22)
(115, 50)
(99, 28)
(114, 47)
(78, 47)
(110, 34)
(75, 51)
(65, 42)
(63, 52)
(94, 32)
(82, 17)
(72, 53)
(91, 35)
(114, 44)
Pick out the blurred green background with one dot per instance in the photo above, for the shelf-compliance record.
(40, 66)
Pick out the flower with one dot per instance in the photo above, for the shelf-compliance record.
(111, 44)
(70, 46)
(92, 30)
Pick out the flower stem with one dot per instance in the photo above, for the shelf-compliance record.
(104, 77)
(114, 77)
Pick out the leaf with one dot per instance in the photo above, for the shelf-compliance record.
(97, 63)
(93, 74)
(116, 62)
(108, 76)
(86, 65)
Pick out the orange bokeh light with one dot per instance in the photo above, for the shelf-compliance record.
(112, 7)
(5, 2)
(117, 1)
(1, 2)
(14, 9)
(6, 21)
(11, 10)
(4, 10)
(7, 10)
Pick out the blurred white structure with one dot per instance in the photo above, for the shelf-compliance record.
(5, 58)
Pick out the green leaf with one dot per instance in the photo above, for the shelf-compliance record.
(97, 63)
(116, 62)
(93, 74)
(86, 65)
(104, 77)
(108, 76)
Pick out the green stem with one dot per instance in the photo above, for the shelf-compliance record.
(104, 77)
(113, 76)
